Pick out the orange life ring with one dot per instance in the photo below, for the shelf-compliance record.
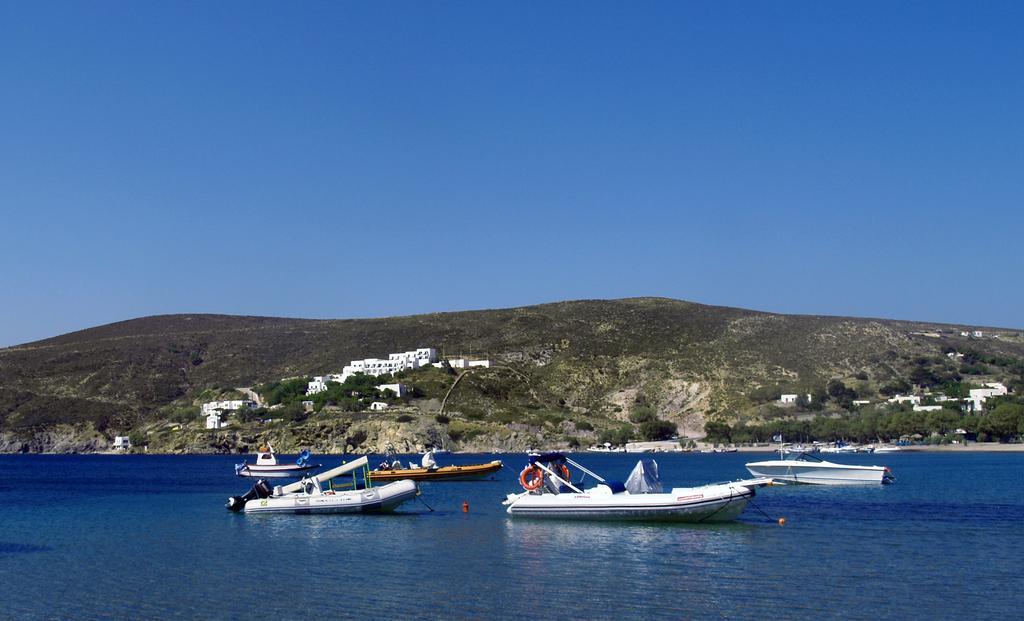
(563, 470)
(531, 478)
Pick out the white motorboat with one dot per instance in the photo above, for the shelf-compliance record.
(267, 466)
(550, 493)
(805, 468)
(606, 448)
(839, 448)
(324, 494)
(888, 448)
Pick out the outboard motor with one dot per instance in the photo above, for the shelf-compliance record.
(261, 489)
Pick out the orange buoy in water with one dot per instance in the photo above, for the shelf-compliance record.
(465, 506)
(782, 521)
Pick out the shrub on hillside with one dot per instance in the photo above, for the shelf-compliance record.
(642, 414)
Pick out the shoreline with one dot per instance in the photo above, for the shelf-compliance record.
(973, 447)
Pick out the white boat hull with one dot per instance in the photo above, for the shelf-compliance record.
(709, 503)
(283, 471)
(819, 473)
(372, 500)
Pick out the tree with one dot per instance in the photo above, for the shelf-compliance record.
(619, 435)
(137, 438)
(923, 376)
(839, 392)
(894, 387)
(765, 394)
(657, 430)
(1004, 421)
(716, 431)
(943, 421)
(284, 391)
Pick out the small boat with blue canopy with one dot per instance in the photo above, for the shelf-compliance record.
(551, 492)
(267, 466)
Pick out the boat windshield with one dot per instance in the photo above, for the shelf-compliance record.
(800, 457)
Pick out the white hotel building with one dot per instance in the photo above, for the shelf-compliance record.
(376, 367)
(978, 396)
(216, 407)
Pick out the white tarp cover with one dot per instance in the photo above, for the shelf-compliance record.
(644, 478)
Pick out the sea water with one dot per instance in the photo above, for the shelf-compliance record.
(98, 537)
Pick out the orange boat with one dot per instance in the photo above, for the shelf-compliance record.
(446, 473)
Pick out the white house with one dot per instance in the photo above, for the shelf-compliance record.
(861, 402)
(927, 408)
(122, 443)
(400, 390)
(213, 421)
(978, 396)
(977, 334)
(319, 383)
(784, 399)
(378, 406)
(463, 363)
(227, 406)
(911, 399)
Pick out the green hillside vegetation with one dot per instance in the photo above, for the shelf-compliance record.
(569, 374)
(1004, 422)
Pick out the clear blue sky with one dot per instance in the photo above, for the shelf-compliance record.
(342, 160)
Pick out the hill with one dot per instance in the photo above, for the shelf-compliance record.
(570, 370)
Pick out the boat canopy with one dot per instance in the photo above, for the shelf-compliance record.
(329, 474)
(548, 458)
(644, 478)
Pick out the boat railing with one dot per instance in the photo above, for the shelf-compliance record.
(585, 470)
(337, 486)
(558, 479)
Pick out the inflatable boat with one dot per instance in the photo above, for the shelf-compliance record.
(326, 493)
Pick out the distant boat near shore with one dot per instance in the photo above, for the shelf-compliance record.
(806, 468)
(888, 449)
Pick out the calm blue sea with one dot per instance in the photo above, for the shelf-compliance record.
(91, 537)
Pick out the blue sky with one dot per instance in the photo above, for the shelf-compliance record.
(342, 160)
